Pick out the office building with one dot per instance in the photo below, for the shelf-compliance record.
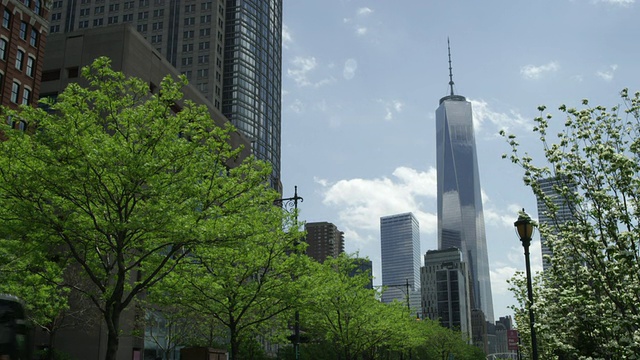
(553, 214)
(364, 266)
(229, 50)
(400, 251)
(323, 240)
(23, 36)
(445, 289)
(460, 215)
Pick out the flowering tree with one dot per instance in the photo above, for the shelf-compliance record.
(588, 302)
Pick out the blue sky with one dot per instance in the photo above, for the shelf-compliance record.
(362, 80)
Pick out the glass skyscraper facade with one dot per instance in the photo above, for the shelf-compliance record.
(230, 50)
(400, 251)
(460, 215)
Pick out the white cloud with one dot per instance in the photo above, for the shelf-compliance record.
(361, 30)
(349, 70)
(286, 37)
(484, 114)
(361, 202)
(364, 11)
(300, 70)
(607, 75)
(618, 2)
(499, 277)
(391, 107)
(535, 72)
(297, 106)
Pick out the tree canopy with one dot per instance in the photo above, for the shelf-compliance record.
(587, 304)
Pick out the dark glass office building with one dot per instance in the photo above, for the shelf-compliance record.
(231, 51)
(460, 216)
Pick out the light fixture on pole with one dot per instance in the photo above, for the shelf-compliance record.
(524, 228)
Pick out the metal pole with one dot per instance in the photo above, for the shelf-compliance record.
(534, 343)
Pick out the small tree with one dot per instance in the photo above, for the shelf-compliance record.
(118, 184)
(591, 294)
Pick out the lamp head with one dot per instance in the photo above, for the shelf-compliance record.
(524, 227)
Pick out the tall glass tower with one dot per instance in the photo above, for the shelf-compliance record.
(460, 215)
(400, 251)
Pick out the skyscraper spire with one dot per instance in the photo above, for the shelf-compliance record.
(450, 70)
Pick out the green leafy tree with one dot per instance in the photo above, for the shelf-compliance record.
(249, 286)
(589, 300)
(120, 186)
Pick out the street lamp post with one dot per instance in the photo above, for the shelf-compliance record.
(524, 228)
(287, 204)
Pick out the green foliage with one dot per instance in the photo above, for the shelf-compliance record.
(587, 304)
(116, 185)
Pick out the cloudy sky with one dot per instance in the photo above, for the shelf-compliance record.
(362, 80)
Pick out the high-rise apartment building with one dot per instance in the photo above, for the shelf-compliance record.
(229, 50)
(561, 213)
(460, 215)
(23, 35)
(445, 289)
(323, 240)
(400, 250)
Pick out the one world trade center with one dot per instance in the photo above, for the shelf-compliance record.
(460, 215)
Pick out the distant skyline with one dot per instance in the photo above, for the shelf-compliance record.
(362, 80)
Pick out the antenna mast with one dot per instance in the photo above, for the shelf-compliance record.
(450, 70)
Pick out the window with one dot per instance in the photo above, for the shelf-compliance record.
(26, 96)
(205, 32)
(33, 41)
(23, 30)
(6, 19)
(203, 59)
(127, 17)
(56, 16)
(203, 45)
(85, 12)
(187, 47)
(143, 3)
(203, 72)
(114, 7)
(157, 25)
(15, 92)
(190, 8)
(57, 4)
(156, 38)
(205, 6)
(19, 59)
(3, 49)
(189, 21)
(187, 73)
(83, 24)
(143, 15)
(142, 27)
(188, 34)
(205, 19)
(37, 7)
(112, 20)
(98, 9)
(54, 29)
(187, 61)
(31, 63)
(158, 12)
(128, 5)
(98, 22)
(203, 87)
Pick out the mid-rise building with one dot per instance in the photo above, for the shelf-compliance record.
(231, 51)
(445, 289)
(23, 36)
(554, 218)
(400, 252)
(460, 214)
(323, 240)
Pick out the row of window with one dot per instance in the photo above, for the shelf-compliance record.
(20, 58)
(25, 33)
(15, 93)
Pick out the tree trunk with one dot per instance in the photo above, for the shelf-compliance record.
(112, 317)
(235, 343)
